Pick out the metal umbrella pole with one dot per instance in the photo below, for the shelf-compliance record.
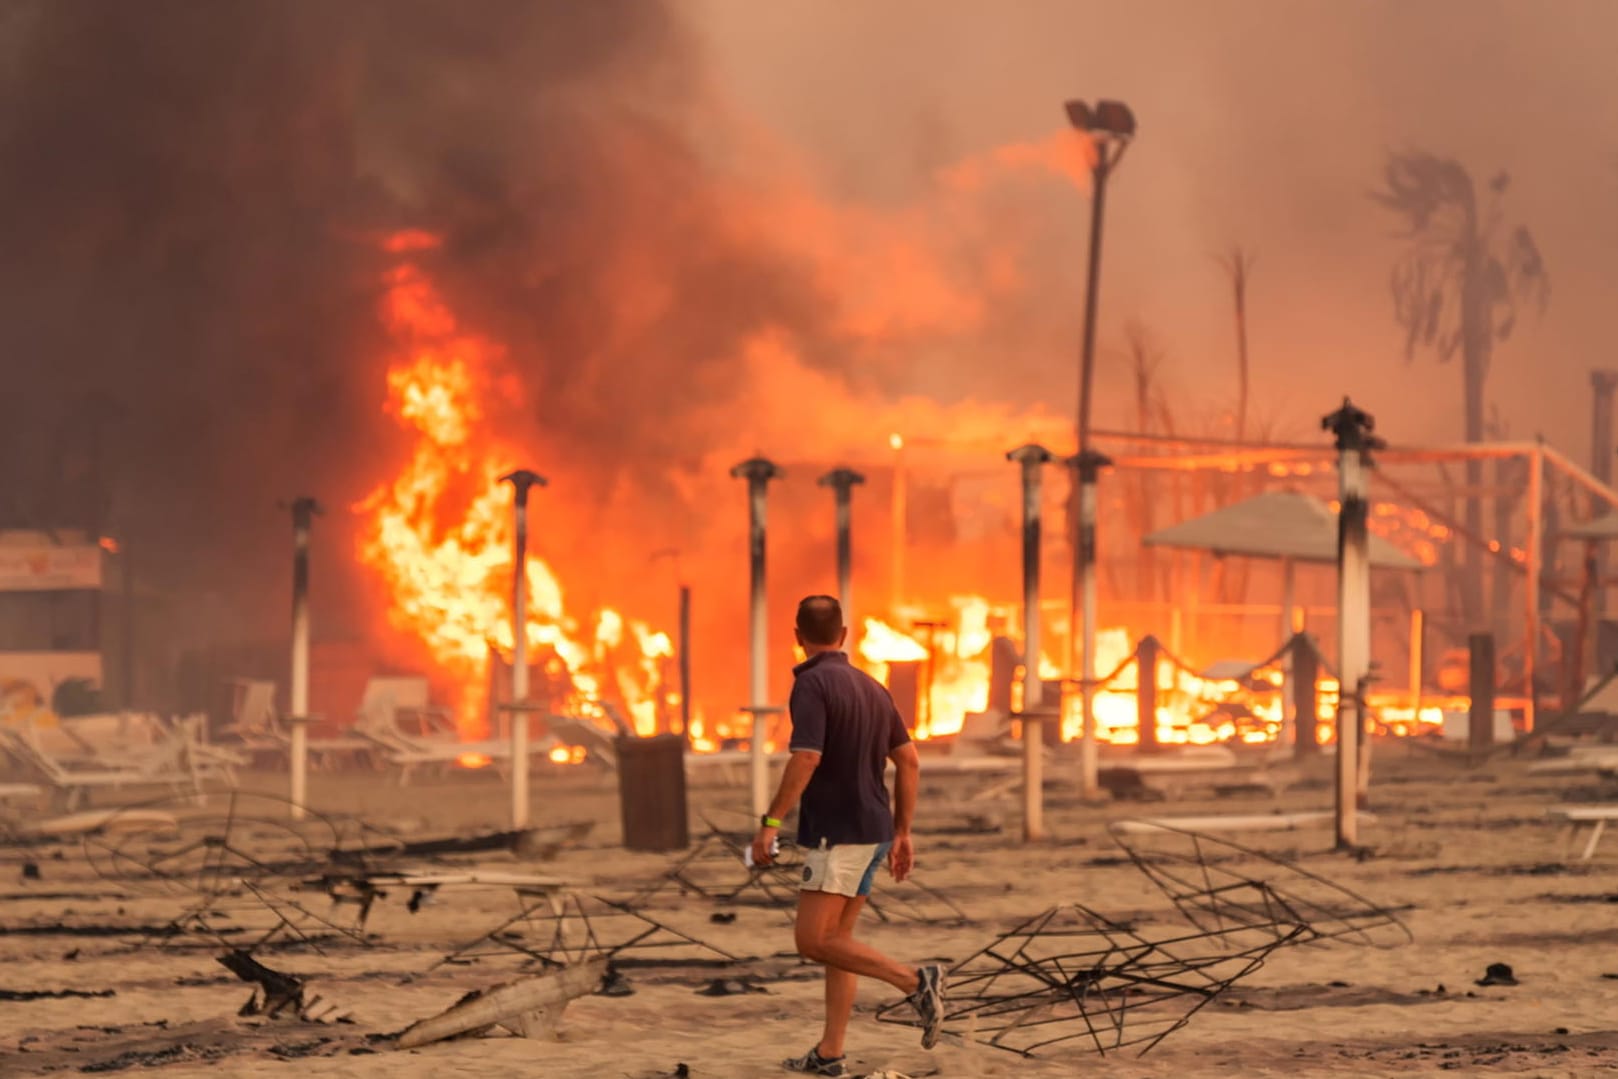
(304, 510)
(842, 481)
(1087, 466)
(685, 663)
(684, 643)
(520, 480)
(1289, 718)
(1033, 459)
(1352, 428)
(758, 472)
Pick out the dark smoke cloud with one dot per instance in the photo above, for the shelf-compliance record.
(191, 199)
(1264, 123)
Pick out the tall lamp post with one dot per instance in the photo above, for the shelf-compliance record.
(1110, 126)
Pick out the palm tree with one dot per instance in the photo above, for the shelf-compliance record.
(1457, 290)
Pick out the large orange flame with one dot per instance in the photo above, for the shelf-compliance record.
(440, 533)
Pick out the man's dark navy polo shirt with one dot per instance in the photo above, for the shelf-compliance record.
(849, 718)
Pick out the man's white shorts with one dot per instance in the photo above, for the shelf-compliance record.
(846, 869)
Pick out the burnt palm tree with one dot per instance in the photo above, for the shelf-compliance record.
(1457, 291)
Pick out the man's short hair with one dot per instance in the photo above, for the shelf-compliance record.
(820, 619)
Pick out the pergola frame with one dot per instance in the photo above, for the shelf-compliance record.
(1182, 454)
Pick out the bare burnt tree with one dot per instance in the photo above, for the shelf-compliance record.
(1457, 290)
(1237, 264)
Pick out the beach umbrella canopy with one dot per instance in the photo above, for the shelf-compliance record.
(1602, 528)
(1286, 525)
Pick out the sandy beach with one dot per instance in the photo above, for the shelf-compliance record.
(1465, 855)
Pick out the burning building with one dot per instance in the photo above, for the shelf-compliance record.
(380, 252)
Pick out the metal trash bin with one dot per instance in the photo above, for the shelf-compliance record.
(651, 792)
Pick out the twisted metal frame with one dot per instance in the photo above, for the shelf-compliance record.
(1073, 974)
(207, 854)
(556, 927)
(233, 865)
(1203, 877)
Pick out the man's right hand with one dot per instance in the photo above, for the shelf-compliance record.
(901, 857)
(762, 844)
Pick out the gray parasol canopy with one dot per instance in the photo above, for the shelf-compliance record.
(1286, 525)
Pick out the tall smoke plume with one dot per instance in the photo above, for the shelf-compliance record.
(704, 229)
(196, 204)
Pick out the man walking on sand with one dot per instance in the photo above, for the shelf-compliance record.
(845, 729)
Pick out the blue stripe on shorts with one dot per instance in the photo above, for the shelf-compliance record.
(877, 859)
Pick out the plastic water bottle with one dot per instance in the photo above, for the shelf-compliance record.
(747, 852)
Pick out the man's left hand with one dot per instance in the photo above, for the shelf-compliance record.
(762, 842)
(901, 856)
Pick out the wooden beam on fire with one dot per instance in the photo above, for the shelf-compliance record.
(1233, 460)
(1460, 530)
(1187, 441)
(1579, 475)
(1476, 451)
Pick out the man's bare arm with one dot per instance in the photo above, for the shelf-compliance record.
(906, 780)
(800, 766)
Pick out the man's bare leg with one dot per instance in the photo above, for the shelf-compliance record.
(823, 937)
(841, 987)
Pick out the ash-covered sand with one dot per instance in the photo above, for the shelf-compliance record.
(1467, 851)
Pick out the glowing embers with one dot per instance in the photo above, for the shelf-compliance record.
(943, 666)
(1072, 974)
(1219, 885)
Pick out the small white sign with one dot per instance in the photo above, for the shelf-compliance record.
(49, 568)
(1458, 726)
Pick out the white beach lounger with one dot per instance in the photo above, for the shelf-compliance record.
(1580, 759)
(1575, 816)
(70, 782)
(1235, 822)
(1172, 773)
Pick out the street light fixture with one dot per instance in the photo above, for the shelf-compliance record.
(1110, 126)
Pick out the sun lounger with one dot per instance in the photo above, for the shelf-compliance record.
(407, 753)
(258, 729)
(1171, 774)
(104, 820)
(1575, 816)
(599, 747)
(402, 703)
(1578, 759)
(70, 781)
(602, 748)
(1235, 822)
(255, 726)
(21, 792)
(983, 746)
